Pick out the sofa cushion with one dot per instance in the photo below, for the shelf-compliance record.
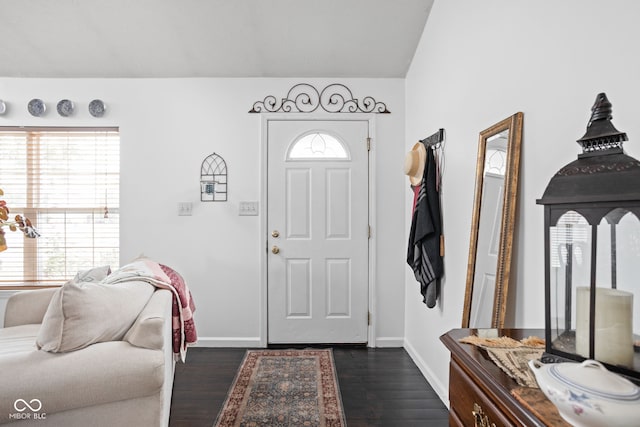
(81, 314)
(27, 307)
(100, 373)
(18, 339)
(95, 274)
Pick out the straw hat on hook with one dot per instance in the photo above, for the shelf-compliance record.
(414, 163)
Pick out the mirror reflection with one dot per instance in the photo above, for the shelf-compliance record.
(484, 279)
(493, 224)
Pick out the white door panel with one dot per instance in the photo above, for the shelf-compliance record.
(318, 279)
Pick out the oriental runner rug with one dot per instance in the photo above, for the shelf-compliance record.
(282, 388)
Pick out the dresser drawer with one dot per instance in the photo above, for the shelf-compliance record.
(472, 407)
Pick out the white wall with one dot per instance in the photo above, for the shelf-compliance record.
(167, 127)
(478, 63)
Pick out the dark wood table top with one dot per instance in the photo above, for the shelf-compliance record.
(477, 359)
(494, 382)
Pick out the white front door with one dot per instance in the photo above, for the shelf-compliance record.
(317, 218)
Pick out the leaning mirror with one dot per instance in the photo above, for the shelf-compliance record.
(492, 224)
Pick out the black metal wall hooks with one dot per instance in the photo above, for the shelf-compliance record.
(434, 140)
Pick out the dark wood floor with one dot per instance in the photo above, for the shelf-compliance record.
(379, 387)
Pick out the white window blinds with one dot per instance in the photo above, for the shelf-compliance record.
(67, 182)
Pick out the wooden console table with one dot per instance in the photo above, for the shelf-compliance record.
(479, 392)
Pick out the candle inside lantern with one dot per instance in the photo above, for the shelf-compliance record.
(613, 328)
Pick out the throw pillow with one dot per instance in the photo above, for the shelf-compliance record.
(95, 274)
(81, 314)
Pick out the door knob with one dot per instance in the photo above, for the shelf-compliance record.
(275, 234)
(275, 250)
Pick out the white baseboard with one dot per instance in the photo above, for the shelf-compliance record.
(254, 342)
(390, 342)
(248, 342)
(438, 387)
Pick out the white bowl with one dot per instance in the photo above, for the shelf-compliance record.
(588, 395)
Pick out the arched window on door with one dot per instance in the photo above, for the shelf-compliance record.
(317, 145)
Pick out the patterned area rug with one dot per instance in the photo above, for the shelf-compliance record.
(281, 388)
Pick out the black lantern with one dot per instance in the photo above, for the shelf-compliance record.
(592, 252)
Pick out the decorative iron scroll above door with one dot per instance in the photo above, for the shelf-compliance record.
(304, 98)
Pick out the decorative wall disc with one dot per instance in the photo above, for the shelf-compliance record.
(97, 108)
(304, 98)
(36, 107)
(65, 108)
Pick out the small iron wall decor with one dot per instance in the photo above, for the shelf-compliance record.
(305, 98)
(213, 179)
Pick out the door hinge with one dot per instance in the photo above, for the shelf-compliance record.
(369, 318)
(368, 144)
(369, 232)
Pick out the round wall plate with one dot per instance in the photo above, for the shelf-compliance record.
(97, 108)
(36, 107)
(65, 108)
(3, 107)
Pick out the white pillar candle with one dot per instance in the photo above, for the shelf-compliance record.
(613, 328)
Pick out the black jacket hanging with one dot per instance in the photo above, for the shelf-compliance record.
(423, 254)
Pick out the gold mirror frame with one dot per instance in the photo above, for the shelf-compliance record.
(507, 224)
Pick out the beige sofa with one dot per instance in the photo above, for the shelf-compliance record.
(113, 383)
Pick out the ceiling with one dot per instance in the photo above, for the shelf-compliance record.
(209, 38)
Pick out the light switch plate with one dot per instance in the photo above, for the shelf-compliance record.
(185, 208)
(248, 209)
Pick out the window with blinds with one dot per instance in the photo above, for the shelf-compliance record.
(67, 182)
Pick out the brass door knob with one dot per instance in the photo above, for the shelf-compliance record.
(275, 250)
(275, 234)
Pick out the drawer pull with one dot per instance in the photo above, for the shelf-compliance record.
(481, 419)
